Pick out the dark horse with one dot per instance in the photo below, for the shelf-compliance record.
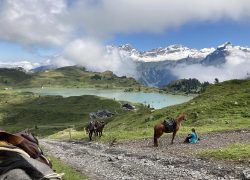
(99, 128)
(160, 128)
(91, 129)
(94, 127)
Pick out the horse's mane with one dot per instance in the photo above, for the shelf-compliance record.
(181, 117)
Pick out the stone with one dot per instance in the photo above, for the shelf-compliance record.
(246, 174)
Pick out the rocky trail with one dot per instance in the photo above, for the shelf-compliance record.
(138, 159)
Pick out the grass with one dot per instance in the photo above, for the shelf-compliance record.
(69, 173)
(237, 152)
(139, 133)
(49, 113)
(71, 76)
(223, 106)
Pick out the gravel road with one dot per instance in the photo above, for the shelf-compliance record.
(138, 159)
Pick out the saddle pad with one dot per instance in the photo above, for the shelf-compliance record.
(11, 149)
(170, 125)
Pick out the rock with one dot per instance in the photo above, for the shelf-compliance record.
(100, 114)
(246, 174)
(128, 107)
(110, 159)
(120, 157)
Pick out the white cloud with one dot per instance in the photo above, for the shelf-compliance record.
(236, 67)
(107, 17)
(34, 22)
(23, 64)
(49, 22)
(94, 56)
(58, 23)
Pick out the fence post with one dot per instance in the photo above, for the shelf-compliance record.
(70, 128)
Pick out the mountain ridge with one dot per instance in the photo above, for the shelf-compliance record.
(156, 67)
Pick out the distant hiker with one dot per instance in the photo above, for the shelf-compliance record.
(192, 138)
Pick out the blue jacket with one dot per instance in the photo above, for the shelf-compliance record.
(193, 138)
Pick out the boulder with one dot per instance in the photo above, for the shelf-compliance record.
(246, 174)
(128, 107)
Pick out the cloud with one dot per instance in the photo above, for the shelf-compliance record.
(107, 17)
(49, 22)
(34, 22)
(237, 66)
(96, 57)
(59, 23)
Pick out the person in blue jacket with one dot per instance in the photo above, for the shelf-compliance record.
(192, 138)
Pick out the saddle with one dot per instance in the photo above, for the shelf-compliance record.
(20, 154)
(12, 141)
(170, 124)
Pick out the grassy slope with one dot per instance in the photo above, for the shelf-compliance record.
(71, 76)
(10, 77)
(223, 106)
(51, 113)
(236, 152)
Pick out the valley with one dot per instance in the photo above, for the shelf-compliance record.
(59, 117)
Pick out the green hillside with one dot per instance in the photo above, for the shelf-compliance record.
(223, 106)
(12, 77)
(71, 76)
(187, 86)
(52, 113)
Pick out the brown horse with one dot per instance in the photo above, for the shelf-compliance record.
(160, 128)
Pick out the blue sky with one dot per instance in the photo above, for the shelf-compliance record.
(44, 29)
(194, 35)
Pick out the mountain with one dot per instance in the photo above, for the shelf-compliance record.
(26, 65)
(70, 76)
(158, 67)
(170, 53)
(218, 57)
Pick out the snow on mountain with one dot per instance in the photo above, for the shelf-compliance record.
(158, 67)
(170, 53)
(26, 65)
(224, 53)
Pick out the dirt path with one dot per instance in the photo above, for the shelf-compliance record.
(140, 160)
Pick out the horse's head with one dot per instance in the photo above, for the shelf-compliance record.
(182, 117)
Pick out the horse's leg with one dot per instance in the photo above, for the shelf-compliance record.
(174, 133)
(157, 134)
(90, 135)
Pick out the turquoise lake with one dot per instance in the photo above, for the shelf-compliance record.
(156, 100)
